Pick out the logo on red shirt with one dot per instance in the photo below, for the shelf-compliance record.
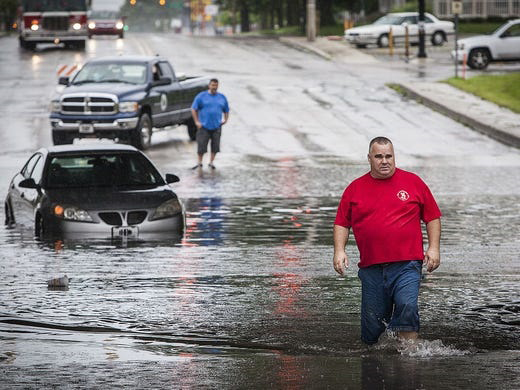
(403, 195)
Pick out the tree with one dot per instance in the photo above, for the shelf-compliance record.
(8, 14)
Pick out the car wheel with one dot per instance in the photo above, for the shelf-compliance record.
(361, 46)
(383, 41)
(192, 129)
(438, 38)
(142, 136)
(58, 138)
(479, 58)
(9, 216)
(40, 229)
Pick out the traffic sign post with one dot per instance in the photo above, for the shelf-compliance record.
(456, 9)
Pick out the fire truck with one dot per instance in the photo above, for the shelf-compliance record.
(53, 21)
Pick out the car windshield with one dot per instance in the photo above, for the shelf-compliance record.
(105, 72)
(102, 170)
(389, 19)
(104, 15)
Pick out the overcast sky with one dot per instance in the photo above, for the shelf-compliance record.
(112, 5)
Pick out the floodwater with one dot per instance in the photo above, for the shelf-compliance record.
(248, 298)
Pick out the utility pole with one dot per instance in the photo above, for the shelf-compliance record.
(422, 51)
(311, 20)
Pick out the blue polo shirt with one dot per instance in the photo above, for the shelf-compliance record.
(210, 108)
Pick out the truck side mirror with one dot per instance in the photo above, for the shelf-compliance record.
(162, 81)
(181, 76)
(63, 81)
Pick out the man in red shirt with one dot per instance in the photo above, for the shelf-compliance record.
(384, 208)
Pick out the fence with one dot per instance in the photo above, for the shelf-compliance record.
(479, 8)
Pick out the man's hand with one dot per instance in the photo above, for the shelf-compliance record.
(432, 259)
(340, 262)
(198, 124)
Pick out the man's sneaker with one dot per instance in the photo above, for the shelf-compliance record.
(212, 166)
(197, 166)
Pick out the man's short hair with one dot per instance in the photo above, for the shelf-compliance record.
(213, 81)
(380, 141)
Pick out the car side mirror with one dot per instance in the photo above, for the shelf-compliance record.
(171, 178)
(162, 81)
(28, 183)
(63, 81)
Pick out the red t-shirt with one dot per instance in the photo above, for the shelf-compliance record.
(385, 216)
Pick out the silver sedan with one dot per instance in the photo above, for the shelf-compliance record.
(93, 190)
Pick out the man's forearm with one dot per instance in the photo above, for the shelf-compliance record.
(195, 115)
(340, 234)
(433, 231)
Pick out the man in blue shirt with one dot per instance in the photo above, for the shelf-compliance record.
(207, 110)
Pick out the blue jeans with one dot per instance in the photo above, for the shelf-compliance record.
(389, 297)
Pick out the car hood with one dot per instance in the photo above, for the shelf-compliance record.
(369, 29)
(477, 40)
(110, 198)
(119, 89)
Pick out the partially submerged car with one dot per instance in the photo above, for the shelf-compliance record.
(97, 190)
(378, 33)
(501, 45)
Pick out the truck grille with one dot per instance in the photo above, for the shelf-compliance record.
(89, 104)
(55, 23)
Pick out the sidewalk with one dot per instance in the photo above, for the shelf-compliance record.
(483, 116)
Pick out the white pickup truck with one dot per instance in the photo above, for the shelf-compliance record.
(502, 45)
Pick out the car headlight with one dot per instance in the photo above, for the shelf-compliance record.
(120, 25)
(71, 213)
(55, 106)
(76, 26)
(128, 106)
(167, 209)
(92, 25)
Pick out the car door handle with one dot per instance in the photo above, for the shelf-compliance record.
(22, 195)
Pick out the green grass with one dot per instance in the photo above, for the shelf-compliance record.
(503, 90)
(478, 28)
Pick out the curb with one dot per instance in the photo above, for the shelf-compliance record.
(303, 47)
(483, 128)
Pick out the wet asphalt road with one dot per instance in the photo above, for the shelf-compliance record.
(249, 299)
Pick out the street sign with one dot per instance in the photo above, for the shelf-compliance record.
(456, 7)
(211, 9)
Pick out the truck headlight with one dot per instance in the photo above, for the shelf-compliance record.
(128, 106)
(55, 106)
(76, 26)
(92, 25)
(72, 213)
(167, 209)
(120, 25)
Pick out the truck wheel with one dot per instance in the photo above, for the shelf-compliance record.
(479, 58)
(121, 35)
(27, 45)
(141, 137)
(40, 227)
(192, 129)
(59, 138)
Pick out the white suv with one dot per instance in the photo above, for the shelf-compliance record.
(502, 45)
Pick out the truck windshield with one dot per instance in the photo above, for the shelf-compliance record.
(54, 5)
(130, 73)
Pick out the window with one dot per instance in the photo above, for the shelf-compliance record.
(37, 171)
(165, 69)
(29, 166)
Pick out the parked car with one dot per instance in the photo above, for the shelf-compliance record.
(437, 31)
(99, 190)
(124, 98)
(502, 45)
(105, 23)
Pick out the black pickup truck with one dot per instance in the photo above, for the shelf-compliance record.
(124, 98)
